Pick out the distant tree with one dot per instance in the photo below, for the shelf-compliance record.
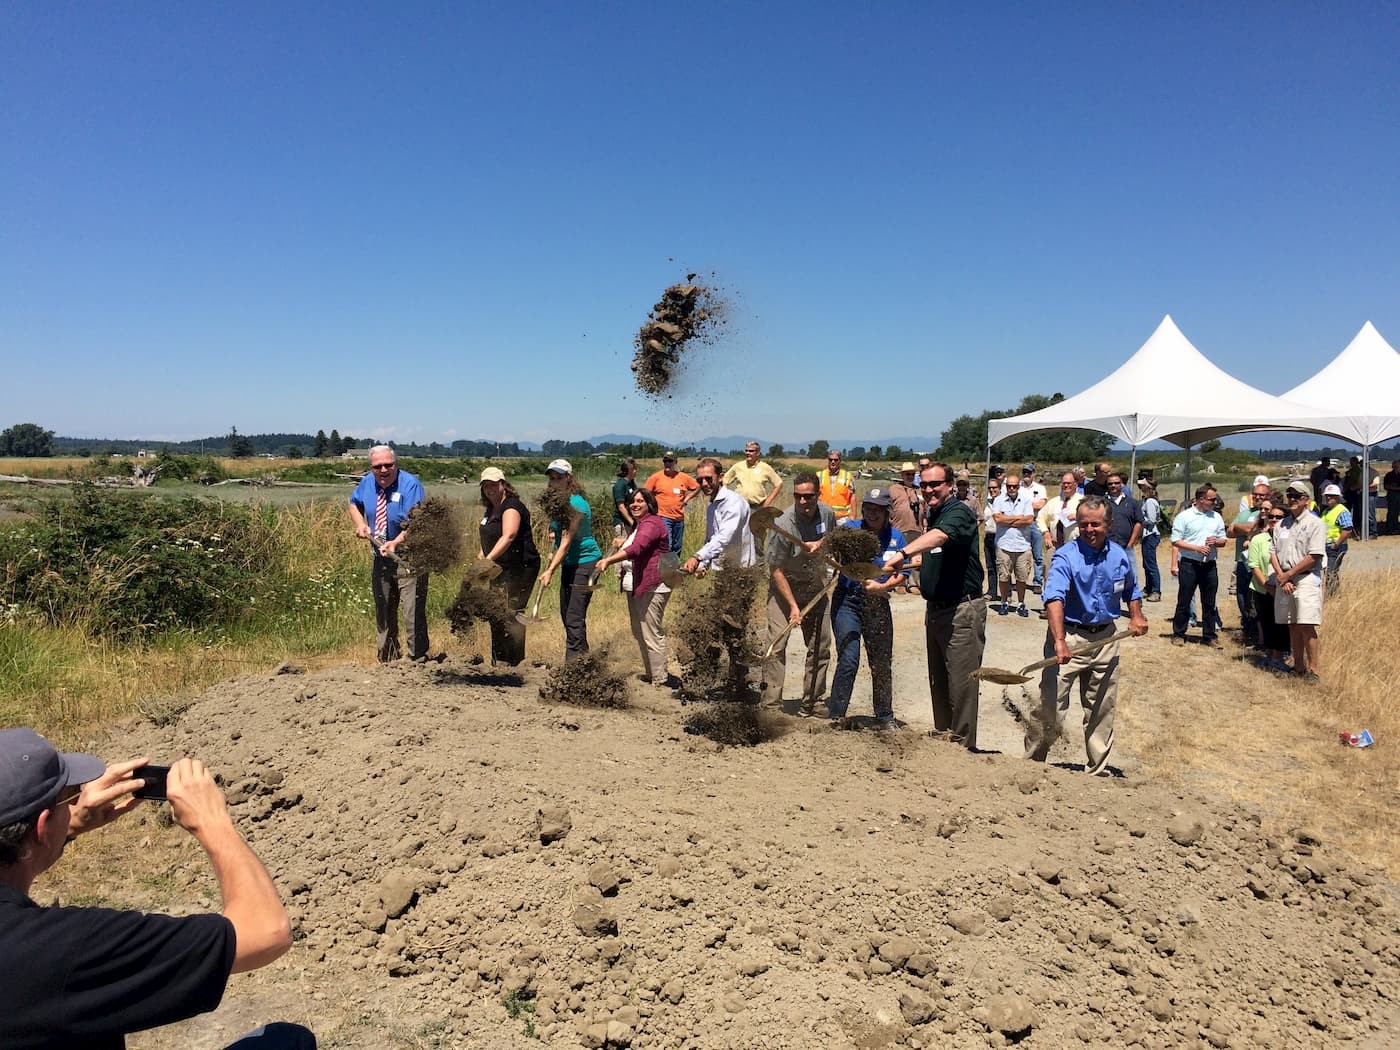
(295, 452)
(333, 446)
(818, 450)
(86, 453)
(436, 449)
(348, 442)
(875, 452)
(966, 438)
(776, 451)
(1207, 447)
(26, 440)
(856, 452)
(894, 453)
(239, 447)
(318, 447)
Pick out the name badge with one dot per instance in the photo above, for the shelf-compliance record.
(485, 520)
(675, 492)
(394, 498)
(821, 528)
(1118, 588)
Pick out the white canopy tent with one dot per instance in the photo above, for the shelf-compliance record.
(1365, 377)
(1169, 391)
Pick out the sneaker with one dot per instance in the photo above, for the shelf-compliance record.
(1003, 609)
(1212, 643)
(1310, 678)
(888, 724)
(1178, 639)
(1155, 596)
(807, 712)
(1022, 611)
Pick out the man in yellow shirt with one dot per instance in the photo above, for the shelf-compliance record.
(752, 477)
(838, 488)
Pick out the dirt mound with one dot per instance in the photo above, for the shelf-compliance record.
(475, 603)
(718, 633)
(586, 681)
(852, 546)
(435, 539)
(687, 315)
(466, 866)
(735, 723)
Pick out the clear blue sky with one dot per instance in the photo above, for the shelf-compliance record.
(438, 220)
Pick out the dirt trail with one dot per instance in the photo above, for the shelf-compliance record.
(465, 863)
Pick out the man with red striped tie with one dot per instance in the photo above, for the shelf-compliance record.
(379, 508)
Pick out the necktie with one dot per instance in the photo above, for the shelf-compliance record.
(381, 515)
(1059, 534)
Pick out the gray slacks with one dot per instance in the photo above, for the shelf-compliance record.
(955, 636)
(1096, 674)
(396, 591)
(816, 635)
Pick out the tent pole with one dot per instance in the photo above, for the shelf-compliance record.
(987, 470)
(1187, 498)
(1365, 526)
(1131, 487)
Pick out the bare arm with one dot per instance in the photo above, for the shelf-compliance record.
(261, 928)
(784, 589)
(566, 537)
(1137, 535)
(357, 519)
(510, 528)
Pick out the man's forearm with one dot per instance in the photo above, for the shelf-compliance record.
(261, 927)
(784, 589)
(927, 542)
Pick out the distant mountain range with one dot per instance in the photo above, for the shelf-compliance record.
(736, 442)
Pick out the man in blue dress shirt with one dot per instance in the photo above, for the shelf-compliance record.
(1085, 586)
(379, 508)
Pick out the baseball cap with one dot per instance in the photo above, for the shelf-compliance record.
(1333, 490)
(1297, 490)
(905, 466)
(1260, 479)
(496, 474)
(559, 466)
(32, 774)
(877, 497)
(1029, 468)
(962, 475)
(668, 455)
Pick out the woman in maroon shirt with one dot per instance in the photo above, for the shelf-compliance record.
(646, 604)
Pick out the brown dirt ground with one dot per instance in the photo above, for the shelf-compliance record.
(822, 889)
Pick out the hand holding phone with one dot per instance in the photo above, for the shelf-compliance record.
(154, 776)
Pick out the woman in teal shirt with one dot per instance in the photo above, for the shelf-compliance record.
(576, 551)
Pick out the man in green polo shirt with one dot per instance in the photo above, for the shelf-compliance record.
(955, 620)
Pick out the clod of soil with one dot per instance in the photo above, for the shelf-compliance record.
(687, 314)
(554, 503)
(718, 622)
(851, 546)
(586, 681)
(477, 602)
(434, 540)
(735, 723)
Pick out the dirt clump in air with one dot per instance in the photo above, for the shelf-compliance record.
(478, 603)
(687, 315)
(554, 505)
(852, 546)
(586, 681)
(718, 634)
(735, 723)
(435, 536)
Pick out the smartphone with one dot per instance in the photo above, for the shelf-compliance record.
(154, 776)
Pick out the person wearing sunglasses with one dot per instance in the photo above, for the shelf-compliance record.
(1198, 532)
(85, 977)
(1273, 637)
(379, 509)
(838, 488)
(1300, 543)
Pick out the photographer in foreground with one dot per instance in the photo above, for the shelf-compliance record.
(85, 977)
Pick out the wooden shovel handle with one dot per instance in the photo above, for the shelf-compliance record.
(1078, 650)
(802, 615)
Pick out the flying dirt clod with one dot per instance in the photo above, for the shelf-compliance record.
(687, 314)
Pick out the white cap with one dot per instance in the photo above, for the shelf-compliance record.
(1260, 479)
(1332, 490)
(559, 466)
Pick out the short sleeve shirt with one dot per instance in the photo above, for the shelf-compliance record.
(81, 978)
(1127, 512)
(1295, 539)
(670, 493)
(799, 567)
(1014, 538)
(953, 571)
(752, 482)
(623, 489)
(401, 497)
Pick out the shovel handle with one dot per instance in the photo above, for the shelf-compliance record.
(801, 543)
(1078, 650)
(825, 592)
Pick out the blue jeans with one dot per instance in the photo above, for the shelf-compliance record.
(854, 616)
(1151, 574)
(1038, 555)
(676, 527)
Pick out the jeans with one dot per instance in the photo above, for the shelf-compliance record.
(574, 597)
(989, 554)
(1193, 575)
(676, 527)
(1038, 554)
(853, 615)
(1245, 600)
(1331, 576)
(1151, 573)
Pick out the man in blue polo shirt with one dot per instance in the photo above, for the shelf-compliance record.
(379, 508)
(1085, 586)
(1198, 532)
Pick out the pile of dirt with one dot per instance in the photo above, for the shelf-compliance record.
(475, 603)
(718, 633)
(852, 546)
(686, 315)
(466, 866)
(735, 723)
(586, 681)
(435, 537)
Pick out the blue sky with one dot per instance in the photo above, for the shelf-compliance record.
(438, 220)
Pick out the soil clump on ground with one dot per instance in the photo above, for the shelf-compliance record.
(466, 866)
(586, 681)
(687, 315)
(435, 538)
(735, 723)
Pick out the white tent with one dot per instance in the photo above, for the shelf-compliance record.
(1365, 378)
(1169, 391)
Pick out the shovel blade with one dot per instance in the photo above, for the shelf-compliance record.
(999, 677)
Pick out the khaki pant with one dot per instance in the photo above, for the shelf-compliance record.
(816, 635)
(645, 612)
(955, 637)
(1097, 675)
(393, 591)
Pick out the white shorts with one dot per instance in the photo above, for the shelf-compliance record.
(1304, 606)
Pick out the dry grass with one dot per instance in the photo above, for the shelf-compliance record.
(1254, 737)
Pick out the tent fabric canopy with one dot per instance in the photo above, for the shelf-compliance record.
(1169, 391)
(1365, 378)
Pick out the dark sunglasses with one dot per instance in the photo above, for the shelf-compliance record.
(1277, 517)
(804, 495)
(932, 484)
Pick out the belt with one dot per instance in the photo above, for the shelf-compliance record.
(953, 605)
(1092, 628)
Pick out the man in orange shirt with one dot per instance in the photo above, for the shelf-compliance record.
(673, 490)
(838, 488)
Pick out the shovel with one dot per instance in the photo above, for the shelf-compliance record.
(762, 520)
(668, 567)
(777, 642)
(534, 616)
(1000, 677)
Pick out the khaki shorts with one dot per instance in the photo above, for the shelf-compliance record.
(1014, 567)
(1304, 606)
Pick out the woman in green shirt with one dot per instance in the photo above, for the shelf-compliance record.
(575, 551)
(1272, 636)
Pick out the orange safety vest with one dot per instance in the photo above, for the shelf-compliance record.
(837, 492)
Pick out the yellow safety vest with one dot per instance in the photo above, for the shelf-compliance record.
(1334, 531)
